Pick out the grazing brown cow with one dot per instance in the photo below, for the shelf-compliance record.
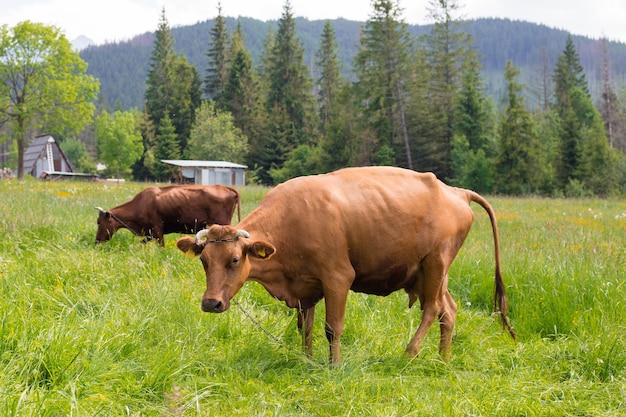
(156, 211)
(374, 230)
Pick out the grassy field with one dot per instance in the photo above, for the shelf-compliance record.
(116, 329)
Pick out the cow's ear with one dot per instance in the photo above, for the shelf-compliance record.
(187, 245)
(261, 250)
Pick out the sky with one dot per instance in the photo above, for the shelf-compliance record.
(119, 20)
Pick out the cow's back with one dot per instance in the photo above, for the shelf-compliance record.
(192, 207)
(380, 220)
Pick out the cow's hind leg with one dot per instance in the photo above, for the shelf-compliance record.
(428, 317)
(446, 323)
(305, 326)
(436, 303)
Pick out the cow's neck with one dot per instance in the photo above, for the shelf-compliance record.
(271, 273)
(126, 223)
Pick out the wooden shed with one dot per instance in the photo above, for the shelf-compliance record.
(44, 156)
(207, 172)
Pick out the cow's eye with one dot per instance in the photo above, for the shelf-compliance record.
(235, 261)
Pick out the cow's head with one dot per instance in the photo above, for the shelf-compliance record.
(225, 254)
(107, 225)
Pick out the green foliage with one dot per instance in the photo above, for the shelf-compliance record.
(43, 84)
(119, 142)
(474, 170)
(173, 92)
(241, 95)
(158, 80)
(382, 70)
(185, 98)
(517, 159)
(217, 68)
(304, 160)
(166, 147)
(329, 80)
(289, 88)
(449, 53)
(449, 68)
(214, 137)
(116, 329)
(76, 152)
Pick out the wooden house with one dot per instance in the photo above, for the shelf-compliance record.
(44, 156)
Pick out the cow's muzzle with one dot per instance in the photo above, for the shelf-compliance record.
(213, 306)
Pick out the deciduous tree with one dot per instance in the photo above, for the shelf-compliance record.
(119, 141)
(215, 137)
(43, 84)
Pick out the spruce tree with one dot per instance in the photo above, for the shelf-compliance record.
(516, 162)
(289, 101)
(449, 51)
(382, 70)
(173, 86)
(585, 155)
(158, 91)
(240, 96)
(329, 80)
(166, 147)
(218, 58)
(471, 151)
(185, 99)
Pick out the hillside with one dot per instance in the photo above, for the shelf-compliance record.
(122, 67)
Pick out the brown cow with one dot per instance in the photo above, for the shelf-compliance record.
(374, 230)
(156, 211)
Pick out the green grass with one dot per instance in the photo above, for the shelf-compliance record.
(116, 329)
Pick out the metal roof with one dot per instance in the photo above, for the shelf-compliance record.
(202, 164)
(36, 150)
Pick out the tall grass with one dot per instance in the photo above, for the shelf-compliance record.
(116, 329)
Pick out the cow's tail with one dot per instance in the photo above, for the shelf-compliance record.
(238, 208)
(238, 204)
(501, 303)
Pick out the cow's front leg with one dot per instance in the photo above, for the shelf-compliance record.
(157, 233)
(305, 326)
(335, 313)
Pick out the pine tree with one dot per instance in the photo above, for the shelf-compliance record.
(516, 164)
(185, 99)
(611, 109)
(173, 87)
(289, 102)
(158, 84)
(584, 149)
(471, 150)
(449, 51)
(329, 81)
(241, 91)
(166, 147)
(382, 70)
(218, 58)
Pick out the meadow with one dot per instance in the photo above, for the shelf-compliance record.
(116, 329)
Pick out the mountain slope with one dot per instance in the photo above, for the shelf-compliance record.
(122, 67)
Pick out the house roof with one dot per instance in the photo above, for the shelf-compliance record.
(202, 164)
(37, 149)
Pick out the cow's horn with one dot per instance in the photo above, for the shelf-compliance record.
(99, 209)
(243, 233)
(201, 235)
